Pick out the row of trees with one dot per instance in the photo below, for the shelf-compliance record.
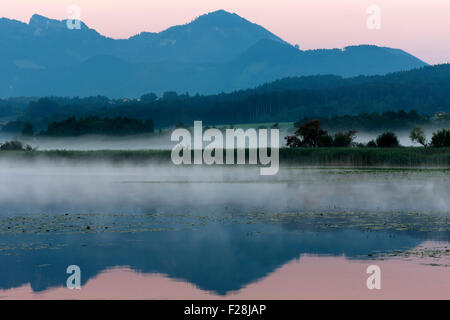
(392, 120)
(96, 125)
(439, 139)
(15, 145)
(311, 134)
(424, 90)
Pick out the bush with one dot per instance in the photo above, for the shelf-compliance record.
(441, 139)
(149, 97)
(344, 139)
(418, 136)
(387, 140)
(15, 146)
(293, 142)
(325, 141)
(372, 144)
(311, 134)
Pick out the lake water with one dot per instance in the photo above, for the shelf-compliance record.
(201, 232)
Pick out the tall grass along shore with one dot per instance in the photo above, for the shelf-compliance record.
(345, 157)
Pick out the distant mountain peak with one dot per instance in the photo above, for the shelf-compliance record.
(218, 14)
(223, 48)
(222, 18)
(40, 22)
(37, 20)
(220, 11)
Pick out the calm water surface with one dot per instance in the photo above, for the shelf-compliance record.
(158, 232)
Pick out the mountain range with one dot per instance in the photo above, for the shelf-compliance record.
(217, 52)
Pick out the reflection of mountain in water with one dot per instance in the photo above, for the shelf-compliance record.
(215, 258)
(233, 227)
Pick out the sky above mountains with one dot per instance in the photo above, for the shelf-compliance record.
(420, 27)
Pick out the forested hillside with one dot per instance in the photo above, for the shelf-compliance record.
(425, 90)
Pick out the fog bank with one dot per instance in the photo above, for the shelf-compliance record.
(104, 188)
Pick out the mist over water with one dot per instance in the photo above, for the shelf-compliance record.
(98, 142)
(161, 141)
(105, 188)
(219, 228)
(403, 136)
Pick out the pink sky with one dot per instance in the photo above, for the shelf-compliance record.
(420, 27)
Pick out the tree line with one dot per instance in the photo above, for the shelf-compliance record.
(374, 121)
(424, 90)
(311, 134)
(93, 125)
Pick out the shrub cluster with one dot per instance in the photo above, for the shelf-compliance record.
(15, 145)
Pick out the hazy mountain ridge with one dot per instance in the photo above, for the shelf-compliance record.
(216, 52)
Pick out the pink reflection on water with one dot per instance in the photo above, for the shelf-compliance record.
(311, 277)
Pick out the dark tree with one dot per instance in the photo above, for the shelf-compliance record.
(344, 139)
(441, 139)
(14, 146)
(325, 140)
(170, 95)
(310, 133)
(28, 129)
(387, 140)
(96, 125)
(40, 108)
(418, 135)
(389, 120)
(149, 97)
(293, 142)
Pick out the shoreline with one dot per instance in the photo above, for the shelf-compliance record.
(402, 157)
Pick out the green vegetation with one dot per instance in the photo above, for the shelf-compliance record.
(418, 136)
(372, 157)
(94, 125)
(311, 134)
(441, 139)
(15, 146)
(335, 157)
(137, 156)
(387, 140)
(389, 120)
(365, 100)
